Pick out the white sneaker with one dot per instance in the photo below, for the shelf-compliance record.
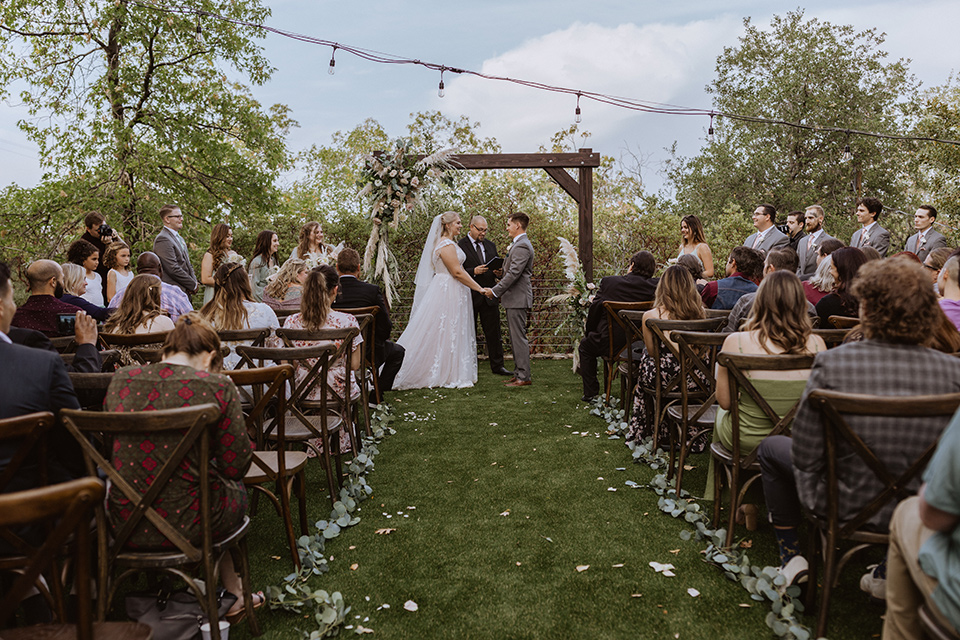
(796, 571)
(872, 585)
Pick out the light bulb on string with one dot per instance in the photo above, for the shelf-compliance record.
(440, 91)
(710, 130)
(576, 114)
(198, 36)
(333, 63)
(847, 154)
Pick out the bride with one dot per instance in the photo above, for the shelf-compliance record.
(440, 338)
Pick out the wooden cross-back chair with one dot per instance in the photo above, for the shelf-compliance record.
(731, 464)
(620, 360)
(68, 505)
(284, 469)
(91, 388)
(232, 338)
(194, 424)
(367, 319)
(126, 343)
(697, 409)
(843, 322)
(305, 420)
(841, 438)
(665, 393)
(109, 359)
(832, 337)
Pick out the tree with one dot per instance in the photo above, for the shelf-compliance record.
(134, 101)
(811, 73)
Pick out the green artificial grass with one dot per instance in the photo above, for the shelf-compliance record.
(495, 497)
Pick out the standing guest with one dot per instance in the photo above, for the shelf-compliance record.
(285, 290)
(870, 233)
(780, 259)
(264, 262)
(98, 233)
(233, 308)
(74, 286)
(744, 270)
(767, 235)
(117, 259)
(638, 285)
(140, 310)
(42, 310)
(898, 311)
(821, 284)
(809, 250)
(221, 241)
(675, 299)
(926, 239)
(845, 263)
(479, 252)
(173, 300)
(692, 264)
(86, 255)
(795, 226)
(310, 246)
(694, 243)
(171, 248)
(934, 263)
(949, 284)
(353, 293)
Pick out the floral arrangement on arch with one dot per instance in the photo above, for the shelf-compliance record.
(578, 296)
(393, 185)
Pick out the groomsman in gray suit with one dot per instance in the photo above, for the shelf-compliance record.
(870, 234)
(810, 244)
(515, 293)
(171, 248)
(767, 236)
(925, 239)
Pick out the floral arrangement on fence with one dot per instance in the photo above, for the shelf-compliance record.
(578, 296)
(393, 184)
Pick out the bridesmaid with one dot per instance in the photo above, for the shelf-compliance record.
(264, 262)
(693, 242)
(221, 239)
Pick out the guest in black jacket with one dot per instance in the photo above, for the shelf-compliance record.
(354, 293)
(638, 285)
(480, 251)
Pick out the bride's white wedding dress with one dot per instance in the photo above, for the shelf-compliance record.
(440, 338)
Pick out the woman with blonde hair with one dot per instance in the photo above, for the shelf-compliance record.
(233, 308)
(140, 310)
(286, 288)
(676, 299)
(221, 241)
(74, 286)
(693, 242)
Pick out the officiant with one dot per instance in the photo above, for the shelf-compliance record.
(480, 252)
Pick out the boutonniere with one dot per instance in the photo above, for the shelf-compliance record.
(923, 241)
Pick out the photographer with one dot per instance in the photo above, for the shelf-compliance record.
(99, 234)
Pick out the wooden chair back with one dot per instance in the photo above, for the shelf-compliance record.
(91, 388)
(268, 387)
(832, 337)
(367, 318)
(619, 340)
(253, 337)
(109, 359)
(843, 322)
(148, 355)
(30, 434)
(283, 314)
(134, 339)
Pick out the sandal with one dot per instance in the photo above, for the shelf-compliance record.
(747, 515)
(238, 615)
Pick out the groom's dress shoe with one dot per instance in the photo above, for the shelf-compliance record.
(502, 372)
(519, 383)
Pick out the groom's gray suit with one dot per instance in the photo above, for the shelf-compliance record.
(516, 295)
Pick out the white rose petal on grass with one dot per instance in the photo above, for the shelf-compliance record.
(582, 567)
(362, 629)
(506, 513)
(665, 569)
(410, 605)
(693, 592)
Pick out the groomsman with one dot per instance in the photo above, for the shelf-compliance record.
(925, 239)
(870, 234)
(479, 252)
(767, 236)
(808, 246)
(171, 248)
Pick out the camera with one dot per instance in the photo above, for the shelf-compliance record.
(105, 231)
(66, 324)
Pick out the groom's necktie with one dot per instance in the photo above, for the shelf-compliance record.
(479, 247)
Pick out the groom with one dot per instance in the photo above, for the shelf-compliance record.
(516, 295)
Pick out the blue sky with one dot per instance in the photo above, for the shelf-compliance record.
(657, 51)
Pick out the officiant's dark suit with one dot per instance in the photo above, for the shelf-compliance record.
(354, 293)
(637, 286)
(487, 309)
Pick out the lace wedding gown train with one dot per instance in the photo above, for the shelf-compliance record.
(440, 338)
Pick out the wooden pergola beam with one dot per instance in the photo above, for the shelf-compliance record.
(585, 158)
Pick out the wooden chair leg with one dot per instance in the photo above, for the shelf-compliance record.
(734, 499)
(301, 483)
(719, 469)
(813, 562)
(283, 489)
(681, 459)
(243, 563)
(829, 559)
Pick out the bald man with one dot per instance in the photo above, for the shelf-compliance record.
(480, 251)
(43, 308)
(172, 298)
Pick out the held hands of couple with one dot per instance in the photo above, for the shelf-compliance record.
(488, 292)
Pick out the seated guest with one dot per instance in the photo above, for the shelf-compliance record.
(779, 323)
(898, 311)
(675, 299)
(354, 293)
(872, 254)
(173, 300)
(140, 310)
(934, 263)
(904, 254)
(86, 255)
(923, 552)
(284, 291)
(821, 283)
(190, 362)
(693, 265)
(950, 290)
(233, 308)
(75, 285)
(845, 263)
(318, 294)
(777, 260)
(638, 285)
(744, 270)
(44, 307)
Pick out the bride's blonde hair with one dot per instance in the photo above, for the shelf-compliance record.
(446, 218)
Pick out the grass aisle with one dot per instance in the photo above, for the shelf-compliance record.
(464, 458)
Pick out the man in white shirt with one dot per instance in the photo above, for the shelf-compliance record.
(870, 234)
(809, 245)
(926, 239)
(767, 236)
(171, 248)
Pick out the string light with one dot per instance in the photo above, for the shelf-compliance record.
(576, 113)
(847, 154)
(710, 130)
(332, 69)
(199, 34)
(440, 91)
